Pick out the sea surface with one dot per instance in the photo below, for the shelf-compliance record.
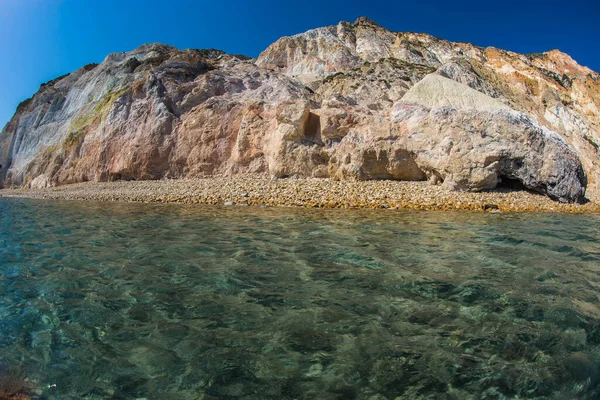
(129, 301)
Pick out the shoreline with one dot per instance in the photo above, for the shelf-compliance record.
(305, 192)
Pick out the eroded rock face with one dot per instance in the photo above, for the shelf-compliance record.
(502, 145)
(449, 133)
(352, 101)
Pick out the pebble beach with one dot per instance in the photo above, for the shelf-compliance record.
(318, 193)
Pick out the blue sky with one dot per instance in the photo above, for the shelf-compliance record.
(43, 39)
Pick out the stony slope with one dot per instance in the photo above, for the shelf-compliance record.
(352, 101)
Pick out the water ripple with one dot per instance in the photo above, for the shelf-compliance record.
(163, 301)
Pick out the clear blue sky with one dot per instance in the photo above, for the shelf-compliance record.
(42, 39)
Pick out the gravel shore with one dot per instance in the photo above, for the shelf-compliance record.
(304, 193)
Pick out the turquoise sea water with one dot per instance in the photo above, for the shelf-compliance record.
(103, 300)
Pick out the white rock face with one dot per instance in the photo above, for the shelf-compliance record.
(352, 101)
(436, 91)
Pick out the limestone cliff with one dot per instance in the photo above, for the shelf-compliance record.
(352, 101)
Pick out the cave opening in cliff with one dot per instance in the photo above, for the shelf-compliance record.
(120, 177)
(512, 184)
(312, 129)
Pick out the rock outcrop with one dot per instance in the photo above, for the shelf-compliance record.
(352, 101)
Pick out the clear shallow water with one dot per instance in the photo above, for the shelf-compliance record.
(170, 302)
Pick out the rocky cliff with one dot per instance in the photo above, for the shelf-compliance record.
(351, 101)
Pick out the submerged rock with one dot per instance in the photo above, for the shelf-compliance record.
(352, 101)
